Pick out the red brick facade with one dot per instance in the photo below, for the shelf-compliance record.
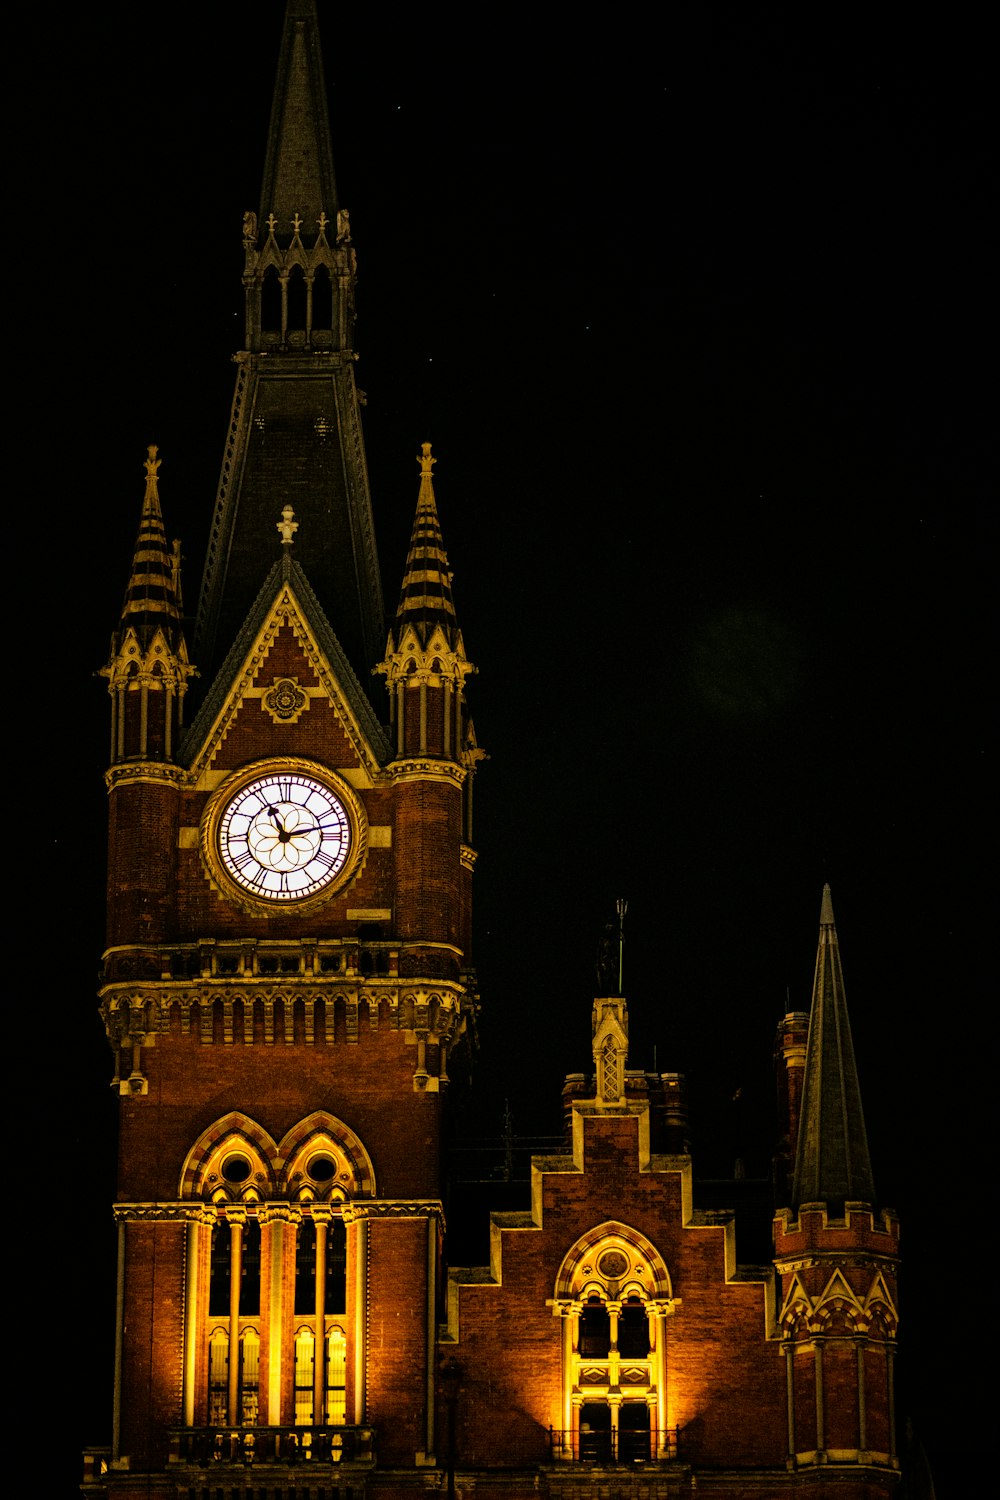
(286, 1322)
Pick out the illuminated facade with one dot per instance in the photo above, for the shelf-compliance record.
(287, 974)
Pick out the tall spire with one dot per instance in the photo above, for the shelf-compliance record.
(832, 1164)
(298, 169)
(295, 435)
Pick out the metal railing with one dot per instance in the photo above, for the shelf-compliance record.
(622, 1446)
(267, 1445)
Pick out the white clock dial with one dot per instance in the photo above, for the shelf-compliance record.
(284, 836)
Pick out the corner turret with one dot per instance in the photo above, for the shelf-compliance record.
(836, 1255)
(832, 1162)
(148, 668)
(425, 665)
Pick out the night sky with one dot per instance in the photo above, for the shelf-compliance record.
(697, 325)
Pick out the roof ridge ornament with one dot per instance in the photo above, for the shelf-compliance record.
(152, 464)
(287, 526)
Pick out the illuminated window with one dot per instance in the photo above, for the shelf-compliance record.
(305, 1349)
(235, 1251)
(320, 1294)
(595, 1329)
(269, 1252)
(613, 1292)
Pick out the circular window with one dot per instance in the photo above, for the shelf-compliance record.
(236, 1169)
(612, 1264)
(322, 1169)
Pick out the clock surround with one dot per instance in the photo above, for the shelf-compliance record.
(283, 834)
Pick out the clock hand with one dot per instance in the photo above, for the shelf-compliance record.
(283, 834)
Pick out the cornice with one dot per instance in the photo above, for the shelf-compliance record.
(866, 1259)
(165, 1213)
(423, 1010)
(156, 772)
(415, 768)
(196, 1211)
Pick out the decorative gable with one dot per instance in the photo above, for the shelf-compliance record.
(287, 688)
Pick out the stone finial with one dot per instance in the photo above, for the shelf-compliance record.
(287, 526)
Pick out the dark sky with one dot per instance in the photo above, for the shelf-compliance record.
(697, 324)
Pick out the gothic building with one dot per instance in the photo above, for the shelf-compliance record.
(287, 982)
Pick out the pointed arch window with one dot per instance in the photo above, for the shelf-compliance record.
(613, 1294)
(272, 1255)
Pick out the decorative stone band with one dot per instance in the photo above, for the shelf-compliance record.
(143, 770)
(198, 1212)
(271, 1011)
(428, 770)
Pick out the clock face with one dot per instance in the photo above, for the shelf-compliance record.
(284, 836)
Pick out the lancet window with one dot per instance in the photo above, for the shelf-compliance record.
(275, 1264)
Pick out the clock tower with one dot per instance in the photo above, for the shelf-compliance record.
(287, 971)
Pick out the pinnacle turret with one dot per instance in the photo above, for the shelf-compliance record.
(425, 650)
(425, 600)
(832, 1163)
(148, 653)
(153, 596)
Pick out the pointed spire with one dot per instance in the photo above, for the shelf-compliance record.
(148, 668)
(425, 599)
(298, 170)
(425, 649)
(832, 1163)
(153, 596)
(295, 386)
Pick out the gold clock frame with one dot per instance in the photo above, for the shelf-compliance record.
(233, 785)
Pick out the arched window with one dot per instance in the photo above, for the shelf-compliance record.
(613, 1293)
(273, 1249)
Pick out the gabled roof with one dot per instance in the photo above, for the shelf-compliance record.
(832, 1162)
(287, 575)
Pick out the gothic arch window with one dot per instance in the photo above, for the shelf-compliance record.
(325, 1161)
(231, 1161)
(613, 1293)
(276, 1262)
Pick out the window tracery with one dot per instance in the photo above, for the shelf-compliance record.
(273, 1270)
(613, 1293)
